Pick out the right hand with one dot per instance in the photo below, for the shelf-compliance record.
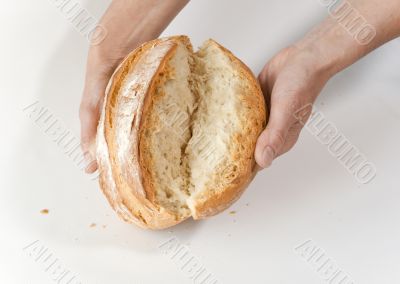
(291, 81)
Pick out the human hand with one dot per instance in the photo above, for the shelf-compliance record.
(291, 81)
(128, 24)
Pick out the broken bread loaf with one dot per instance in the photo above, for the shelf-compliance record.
(177, 132)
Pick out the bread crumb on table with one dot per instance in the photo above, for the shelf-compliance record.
(232, 212)
(44, 211)
(92, 225)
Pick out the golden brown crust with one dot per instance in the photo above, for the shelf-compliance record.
(125, 174)
(118, 148)
(232, 178)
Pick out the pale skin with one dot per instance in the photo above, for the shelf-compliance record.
(291, 80)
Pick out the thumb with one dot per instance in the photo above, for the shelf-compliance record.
(89, 114)
(89, 118)
(281, 133)
(271, 140)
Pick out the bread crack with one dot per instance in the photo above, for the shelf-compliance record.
(193, 83)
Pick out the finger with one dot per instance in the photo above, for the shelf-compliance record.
(273, 138)
(291, 137)
(89, 114)
(89, 117)
(265, 86)
(282, 121)
(288, 116)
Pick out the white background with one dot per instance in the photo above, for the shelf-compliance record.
(307, 194)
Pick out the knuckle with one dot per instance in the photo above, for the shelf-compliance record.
(85, 143)
(277, 139)
(295, 103)
(279, 136)
(296, 127)
(87, 108)
(302, 115)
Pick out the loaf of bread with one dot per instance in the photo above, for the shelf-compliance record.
(177, 132)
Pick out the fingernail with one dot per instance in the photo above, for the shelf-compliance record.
(267, 156)
(91, 165)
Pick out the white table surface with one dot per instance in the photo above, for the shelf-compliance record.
(305, 195)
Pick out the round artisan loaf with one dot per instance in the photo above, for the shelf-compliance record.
(177, 132)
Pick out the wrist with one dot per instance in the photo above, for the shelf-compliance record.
(332, 47)
(135, 21)
(128, 25)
